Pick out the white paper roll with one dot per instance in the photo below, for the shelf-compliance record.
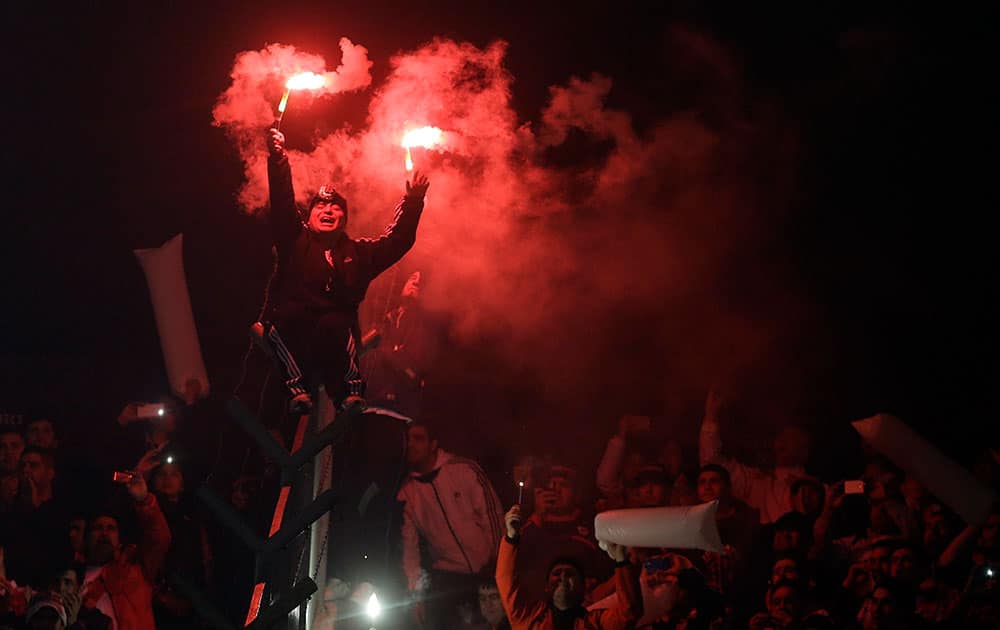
(688, 527)
(941, 475)
(168, 292)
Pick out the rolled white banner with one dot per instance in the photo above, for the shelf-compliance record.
(688, 527)
(941, 475)
(168, 291)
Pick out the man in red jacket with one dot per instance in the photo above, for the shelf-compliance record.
(119, 580)
(565, 590)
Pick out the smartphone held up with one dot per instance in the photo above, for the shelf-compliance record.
(854, 486)
(151, 411)
(123, 477)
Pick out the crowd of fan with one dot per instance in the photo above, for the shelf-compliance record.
(799, 552)
(78, 550)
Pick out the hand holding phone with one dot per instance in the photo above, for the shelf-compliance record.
(151, 411)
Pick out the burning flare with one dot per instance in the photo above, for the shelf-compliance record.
(300, 81)
(425, 137)
(305, 81)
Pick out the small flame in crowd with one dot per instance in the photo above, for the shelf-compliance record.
(425, 137)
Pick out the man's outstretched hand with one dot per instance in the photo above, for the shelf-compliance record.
(417, 187)
(618, 553)
(275, 142)
(513, 521)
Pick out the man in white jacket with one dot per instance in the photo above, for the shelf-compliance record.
(769, 491)
(451, 510)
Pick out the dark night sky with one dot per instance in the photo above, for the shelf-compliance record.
(109, 146)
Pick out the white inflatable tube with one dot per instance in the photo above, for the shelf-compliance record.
(941, 475)
(688, 527)
(168, 291)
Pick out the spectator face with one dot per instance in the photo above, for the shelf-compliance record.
(881, 522)
(786, 541)
(784, 601)
(913, 490)
(988, 536)
(37, 470)
(563, 489)
(421, 450)
(877, 489)
(67, 583)
(880, 562)
(41, 433)
(883, 608)
(712, 486)
(412, 287)
(490, 606)
(325, 217)
(633, 464)
(11, 445)
(785, 569)
(933, 516)
(77, 528)
(168, 482)
(808, 499)
(937, 528)
(9, 486)
(659, 579)
(566, 586)
(244, 490)
(102, 540)
(652, 494)
(903, 565)
(791, 447)
(671, 458)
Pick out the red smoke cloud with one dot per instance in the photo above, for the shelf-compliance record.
(549, 260)
(249, 104)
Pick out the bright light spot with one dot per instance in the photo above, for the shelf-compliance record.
(305, 81)
(520, 483)
(373, 609)
(170, 459)
(159, 411)
(425, 137)
(989, 572)
(366, 556)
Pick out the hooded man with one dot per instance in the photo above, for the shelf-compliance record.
(321, 276)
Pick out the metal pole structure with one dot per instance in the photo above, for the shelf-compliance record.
(276, 520)
(322, 474)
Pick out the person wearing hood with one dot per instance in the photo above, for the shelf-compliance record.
(310, 318)
(452, 510)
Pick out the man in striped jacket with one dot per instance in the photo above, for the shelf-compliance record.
(452, 510)
(321, 275)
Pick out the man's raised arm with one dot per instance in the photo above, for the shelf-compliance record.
(710, 449)
(400, 235)
(284, 218)
(154, 537)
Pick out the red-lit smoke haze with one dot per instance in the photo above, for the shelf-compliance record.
(549, 261)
